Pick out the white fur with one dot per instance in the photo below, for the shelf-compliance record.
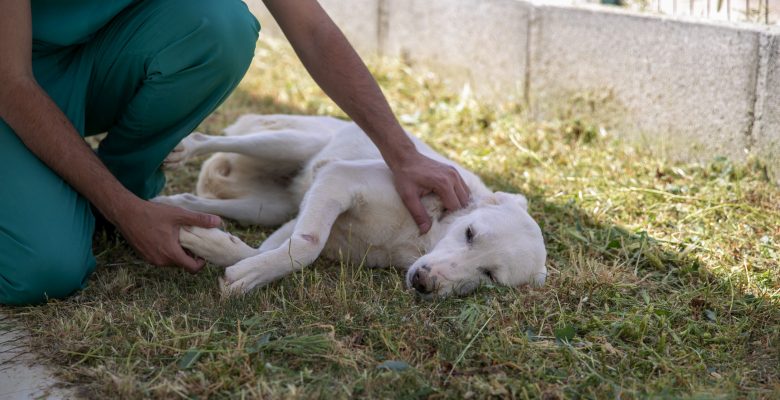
(329, 173)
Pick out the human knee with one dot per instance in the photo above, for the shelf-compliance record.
(232, 32)
(44, 276)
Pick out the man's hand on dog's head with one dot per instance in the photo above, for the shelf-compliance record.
(418, 176)
(152, 229)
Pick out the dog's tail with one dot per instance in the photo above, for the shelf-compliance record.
(220, 176)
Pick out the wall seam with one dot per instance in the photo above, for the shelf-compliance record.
(755, 115)
(382, 27)
(528, 54)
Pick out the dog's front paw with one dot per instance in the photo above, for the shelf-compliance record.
(214, 245)
(183, 151)
(225, 290)
(247, 275)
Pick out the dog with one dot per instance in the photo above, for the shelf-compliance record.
(326, 184)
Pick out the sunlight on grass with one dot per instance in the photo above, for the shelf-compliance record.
(663, 281)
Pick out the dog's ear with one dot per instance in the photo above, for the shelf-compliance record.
(503, 198)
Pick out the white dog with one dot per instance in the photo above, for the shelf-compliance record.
(328, 172)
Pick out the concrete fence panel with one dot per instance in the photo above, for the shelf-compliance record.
(485, 42)
(766, 143)
(687, 87)
(357, 19)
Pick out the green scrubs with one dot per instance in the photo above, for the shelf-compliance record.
(147, 72)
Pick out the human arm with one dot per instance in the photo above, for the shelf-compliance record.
(339, 71)
(152, 229)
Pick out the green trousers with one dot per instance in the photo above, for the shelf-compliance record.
(148, 77)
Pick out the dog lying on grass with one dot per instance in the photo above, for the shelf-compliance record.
(327, 171)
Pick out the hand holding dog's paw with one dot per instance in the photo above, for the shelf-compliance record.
(152, 229)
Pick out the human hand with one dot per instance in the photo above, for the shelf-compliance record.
(418, 176)
(152, 229)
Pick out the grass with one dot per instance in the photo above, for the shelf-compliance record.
(664, 280)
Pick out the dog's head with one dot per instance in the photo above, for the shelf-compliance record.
(496, 242)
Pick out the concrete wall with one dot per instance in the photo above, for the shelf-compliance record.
(358, 19)
(686, 87)
(485, 42)
(766, 132)
(693, 89)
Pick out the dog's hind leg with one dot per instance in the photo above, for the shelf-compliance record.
(260, 209)
(332, 193)
(251, 123)
(285, 147)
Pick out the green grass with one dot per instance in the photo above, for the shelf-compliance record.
(663, 279)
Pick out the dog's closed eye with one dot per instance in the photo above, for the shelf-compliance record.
(469, 235)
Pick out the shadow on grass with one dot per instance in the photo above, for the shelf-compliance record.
(671, 300)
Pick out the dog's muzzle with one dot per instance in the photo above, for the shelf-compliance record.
(421, 281)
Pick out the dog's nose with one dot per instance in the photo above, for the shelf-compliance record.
(418, 283)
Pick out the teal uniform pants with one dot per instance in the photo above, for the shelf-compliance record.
(147, 74)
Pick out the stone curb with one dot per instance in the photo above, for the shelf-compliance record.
(22, 374)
